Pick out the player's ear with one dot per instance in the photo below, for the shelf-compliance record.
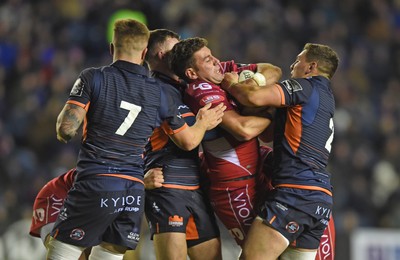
(160, 55)
(191, 73)
(313, 66)
(144, 54)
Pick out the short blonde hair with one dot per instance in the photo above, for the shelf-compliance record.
(130, 35)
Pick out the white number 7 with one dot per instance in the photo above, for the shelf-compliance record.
(130, 118)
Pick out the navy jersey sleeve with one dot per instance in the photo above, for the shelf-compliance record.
(169, 111)
(82, 89)
(296, 91)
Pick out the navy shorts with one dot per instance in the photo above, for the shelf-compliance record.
(100, 209)
(183, 211)
(299, 215)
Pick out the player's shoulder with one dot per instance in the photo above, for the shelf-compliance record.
(295, 84)
(199, 86)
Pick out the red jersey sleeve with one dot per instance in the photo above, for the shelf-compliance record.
(200, 93)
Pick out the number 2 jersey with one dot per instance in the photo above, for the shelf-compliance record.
(303, 134)
(124, 105)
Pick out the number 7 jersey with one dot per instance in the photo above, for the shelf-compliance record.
(124, 105)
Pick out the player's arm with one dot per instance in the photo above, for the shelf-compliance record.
(249, 93)
(206, 119)
(243, 128)
(69, 121)
(271, 73)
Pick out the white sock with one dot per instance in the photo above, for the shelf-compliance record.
(58, 250)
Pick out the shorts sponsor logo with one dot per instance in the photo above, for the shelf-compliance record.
(77, 234)
(325, 247)
(292, 85)
(292, 227)
(175, 221)
(156, 209)
(133, 236)
(243, 209)
(63, 214)
(120, 204)
(324, 221)
(38, 215)
(120, 201)
(282, 207)
(56, 205)
(321, 211)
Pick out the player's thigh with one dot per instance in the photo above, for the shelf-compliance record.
(210, 249)
(298, 254)
(170, 245)
(132, 254)
(263, 242)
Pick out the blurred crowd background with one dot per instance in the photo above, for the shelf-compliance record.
(44, 44)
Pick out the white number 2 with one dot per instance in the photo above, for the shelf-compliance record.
(130, 118)
(328, 144)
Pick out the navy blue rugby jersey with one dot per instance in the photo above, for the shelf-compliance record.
(180, 168)
(303, 134)
(124, 105)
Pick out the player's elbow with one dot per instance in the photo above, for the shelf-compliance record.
(243, 136)
(188, 146)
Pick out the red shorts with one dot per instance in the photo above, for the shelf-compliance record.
(49, 201)
(326, 249)
(233, 204)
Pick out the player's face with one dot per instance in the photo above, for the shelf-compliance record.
(208, 67)
(300, 67)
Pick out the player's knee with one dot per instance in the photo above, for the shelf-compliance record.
(209, 249)
(292, 253)
(112, 253)
(58, 250)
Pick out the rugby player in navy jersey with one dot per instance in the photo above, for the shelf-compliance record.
(297, 212)
(180, 217)
(120, 106)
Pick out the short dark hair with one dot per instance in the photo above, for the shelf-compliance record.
(181, 56)
(157, 37)
(324, 55)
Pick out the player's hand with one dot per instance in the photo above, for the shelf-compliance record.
(229, 79)
(211, 117)
(153, 179)
(61, 139)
